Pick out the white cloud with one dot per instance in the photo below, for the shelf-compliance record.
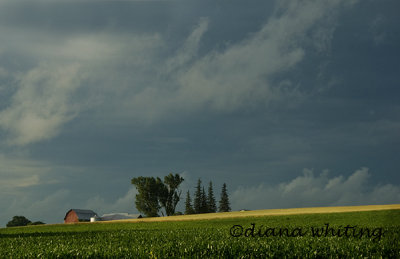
(308, 190)
(21, 182)
(41, 104)
(49, 94)
(19, 172)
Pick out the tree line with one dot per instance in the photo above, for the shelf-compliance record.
(155, 194)
(205, 203)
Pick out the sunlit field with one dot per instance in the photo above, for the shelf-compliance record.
(271, 212)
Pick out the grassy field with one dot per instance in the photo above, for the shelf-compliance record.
(374, 233)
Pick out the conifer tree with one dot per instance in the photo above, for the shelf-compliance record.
(212, 207)
(197, 198)
(188, 204)
(204, 205)
(224, 202)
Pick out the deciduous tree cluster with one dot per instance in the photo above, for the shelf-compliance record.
(18, 221)
(155, 194)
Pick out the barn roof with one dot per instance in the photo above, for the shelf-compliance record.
(82, 214)
(115, 216)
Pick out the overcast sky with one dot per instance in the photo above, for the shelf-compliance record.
(290, 103)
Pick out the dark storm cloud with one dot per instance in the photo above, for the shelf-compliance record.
(94, 93)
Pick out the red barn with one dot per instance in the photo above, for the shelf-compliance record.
(76, 215)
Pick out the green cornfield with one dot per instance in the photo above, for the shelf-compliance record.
(372, 234)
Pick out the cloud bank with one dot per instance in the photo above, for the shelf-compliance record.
(308, 190)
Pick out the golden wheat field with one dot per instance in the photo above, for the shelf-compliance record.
(268, 212)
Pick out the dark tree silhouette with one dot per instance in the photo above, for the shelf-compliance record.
(155, 194)
(204, 205)
(169, 195)
(188, 204)
(212, 207)
(224, 205)
(197, 198)
(18, 221)
(147, 200)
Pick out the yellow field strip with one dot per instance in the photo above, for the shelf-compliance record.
(259, 213)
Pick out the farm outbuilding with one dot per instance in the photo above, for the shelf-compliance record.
(115, 216)
(78, 215)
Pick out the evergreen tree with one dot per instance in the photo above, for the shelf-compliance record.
(204, 205)
(212, 207)
(197, 198)
(188, 204)
(224, 202)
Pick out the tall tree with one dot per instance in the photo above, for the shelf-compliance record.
(149, 191)
(169, 195)
(197, 198)
(204, 205)
(188, 204)
(224, 205)
(154, 194)
(212, 207)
